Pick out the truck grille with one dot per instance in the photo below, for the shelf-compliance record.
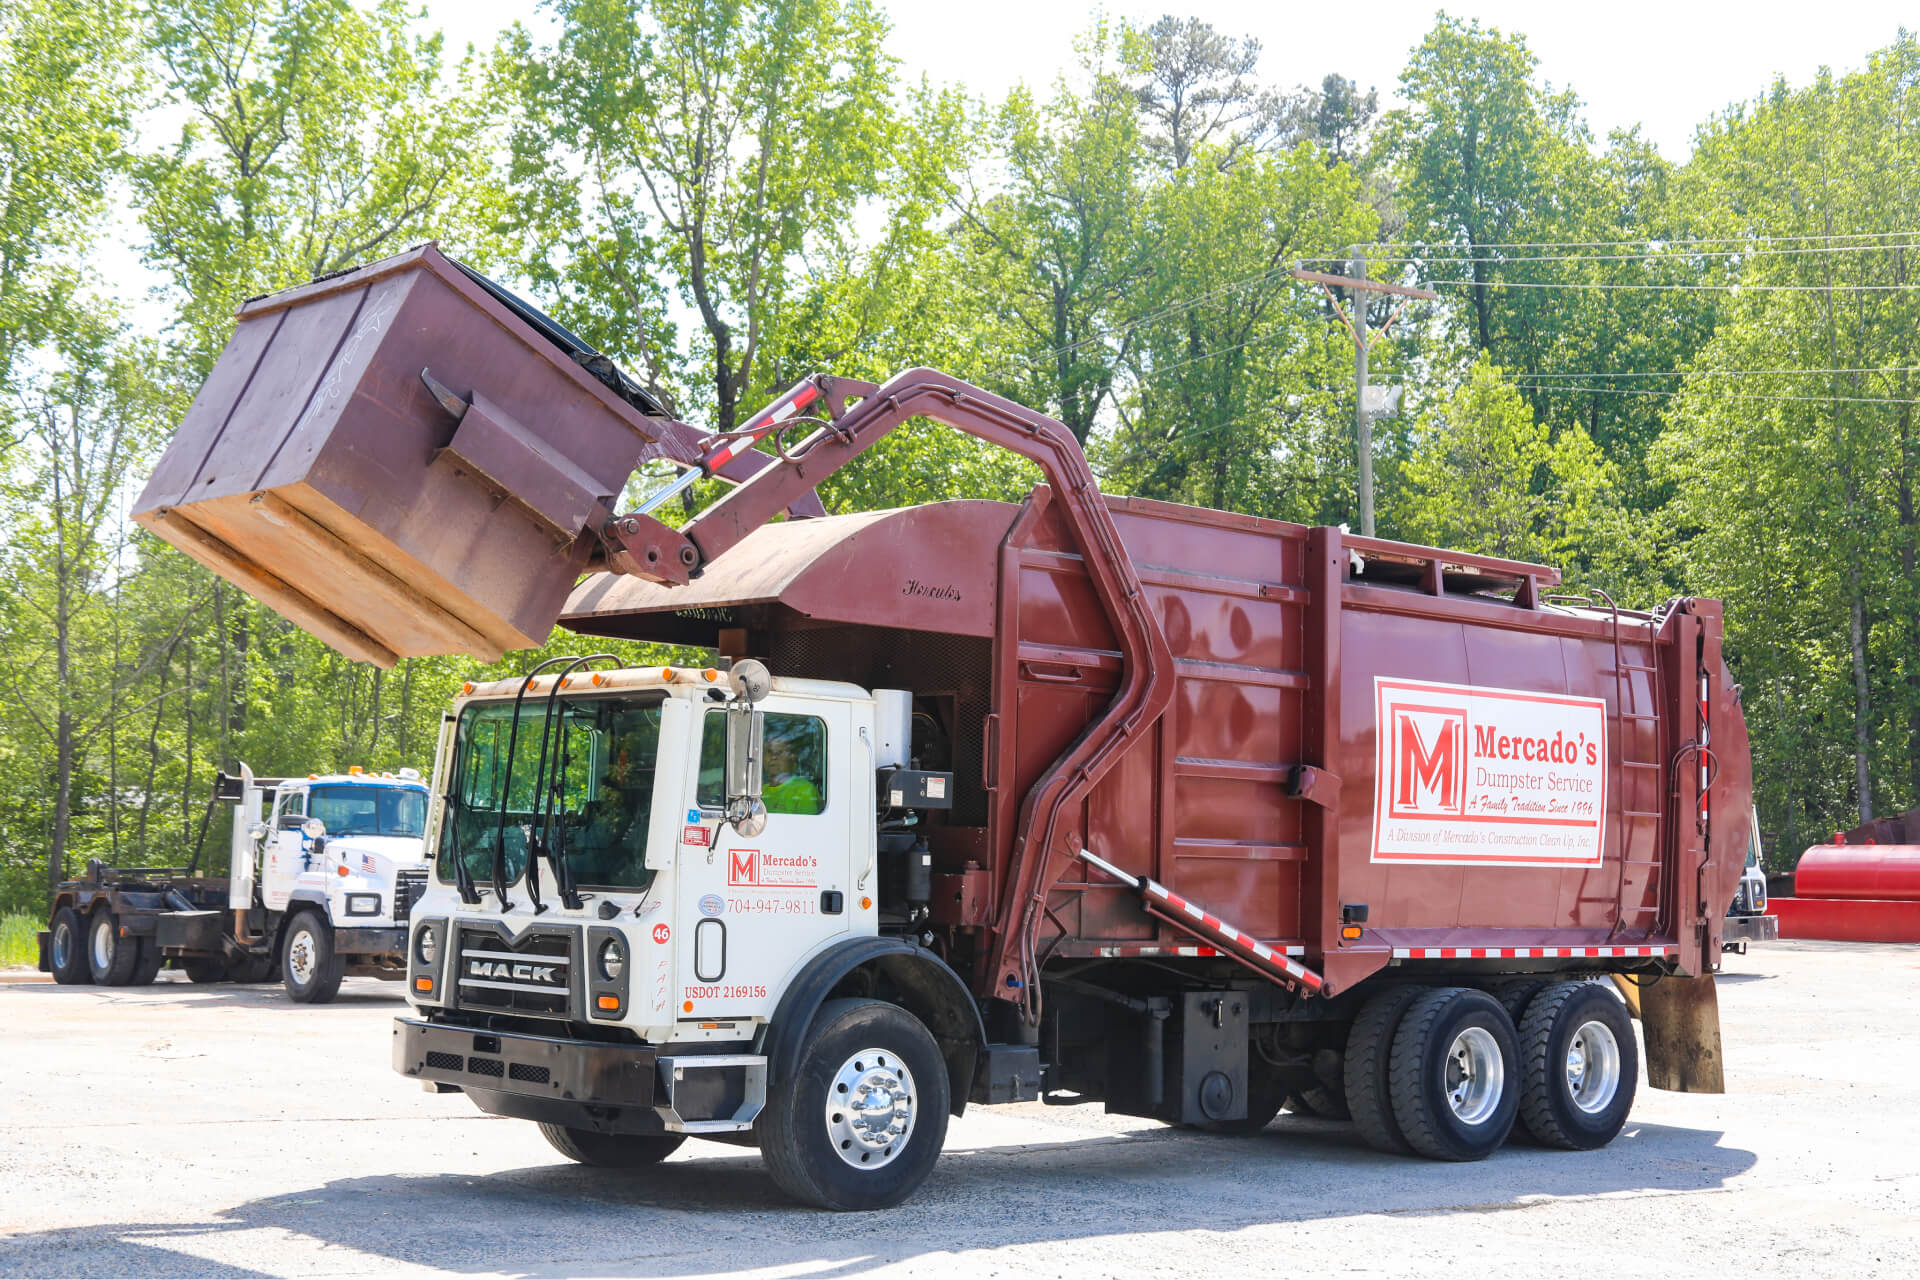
(531, 975)
(408, 888)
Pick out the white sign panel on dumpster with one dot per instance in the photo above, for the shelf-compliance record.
(1470, 775)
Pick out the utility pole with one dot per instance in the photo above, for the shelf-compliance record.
(1358, 284)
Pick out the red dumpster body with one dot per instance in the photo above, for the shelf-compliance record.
(1361, 730)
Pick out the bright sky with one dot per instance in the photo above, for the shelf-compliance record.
(1667, 66)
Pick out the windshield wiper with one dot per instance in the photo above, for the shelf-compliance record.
(462, 873)
(553, 823)
(506, 791)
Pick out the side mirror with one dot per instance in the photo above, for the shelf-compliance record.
(313, 828)
(744, 729)
(258, 831)
(749, 680)
(748, 816)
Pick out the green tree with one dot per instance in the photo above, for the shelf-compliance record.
(699, 155)
(68, 85)
(319, 134)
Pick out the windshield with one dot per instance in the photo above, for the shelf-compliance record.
(364, 809)
(598, 791)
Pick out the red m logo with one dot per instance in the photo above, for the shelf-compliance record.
(743, 866)
(1430, 761)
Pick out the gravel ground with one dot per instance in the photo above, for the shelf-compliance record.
(221, 1131)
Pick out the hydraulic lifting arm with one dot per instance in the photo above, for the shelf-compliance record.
(848, 416)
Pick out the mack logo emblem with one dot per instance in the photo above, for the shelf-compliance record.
(541, 973)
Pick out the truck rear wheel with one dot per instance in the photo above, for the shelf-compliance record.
(865, 1115)
(309, 967)
(1368, 1064)
(611, 1150)
(202, 970)
(147, 967)
(67, 948)
(1455, 1075)
(1579, 1066)
(110, 957)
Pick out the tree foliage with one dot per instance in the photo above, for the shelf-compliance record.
(1666, 376)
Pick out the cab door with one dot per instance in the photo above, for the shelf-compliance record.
(285, 849)
(749, 910)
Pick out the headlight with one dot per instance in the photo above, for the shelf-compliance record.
(428, 946)
(613, 959)
(363, 904)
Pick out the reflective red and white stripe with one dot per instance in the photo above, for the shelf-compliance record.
(1214, 924)
(1230, 942)
(1127, 951)
(752, 432)
(1531, 953)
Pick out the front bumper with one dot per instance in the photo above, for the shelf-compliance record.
(375, 941)
(541, 1067)
(1750, 929)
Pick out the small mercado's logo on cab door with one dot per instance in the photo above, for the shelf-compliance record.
(1465, 774)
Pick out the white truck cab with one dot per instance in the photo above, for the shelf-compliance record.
(1747, 919)
(637, 883)
(342, 858)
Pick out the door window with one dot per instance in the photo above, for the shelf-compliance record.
(793, 770)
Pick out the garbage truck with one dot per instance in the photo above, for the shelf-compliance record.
(1082, 798)
(323, 872)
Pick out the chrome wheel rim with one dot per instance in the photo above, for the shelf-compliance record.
(870, 1109)
(1593, 1067)
(1476, 1075)
(300, 961)
(103, 943)
(62, 946)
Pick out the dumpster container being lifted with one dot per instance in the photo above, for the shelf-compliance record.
(1180, 811)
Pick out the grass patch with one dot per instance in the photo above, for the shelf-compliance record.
(17, 942)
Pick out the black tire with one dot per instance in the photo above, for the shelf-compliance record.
(1265, 1096)
(1515, 996)
(310, 969)
(147, 967)
(110, 957)
(1368, 1069)
(1549, 1105)
(612, 1150)
(254, 969)
(202, 970)
(67, 948)
(804, 1152)
(1424, 1074)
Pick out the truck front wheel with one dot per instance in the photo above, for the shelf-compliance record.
(612, 1150)
(67, 948)
(309, 966)
(110, 957)
(1579, 1066)
(865, 1115)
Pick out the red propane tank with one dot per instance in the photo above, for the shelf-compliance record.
(1882, 871)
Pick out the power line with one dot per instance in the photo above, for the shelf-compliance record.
(1655, 255)
(1662, 240)
(1721, 395)
(1730, 373)
(1679, 288)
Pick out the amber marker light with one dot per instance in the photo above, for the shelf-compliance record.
(666, 673)
(342, 868)
(423, 984)
(466, 688)
(1350, 932)
(687, 1006)
(866, 904)
(610, 1003)
(710, 675)
(597, 679)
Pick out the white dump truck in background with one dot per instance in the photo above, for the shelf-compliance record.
(323, 876)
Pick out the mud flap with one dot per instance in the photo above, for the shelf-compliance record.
(1681, 1021)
